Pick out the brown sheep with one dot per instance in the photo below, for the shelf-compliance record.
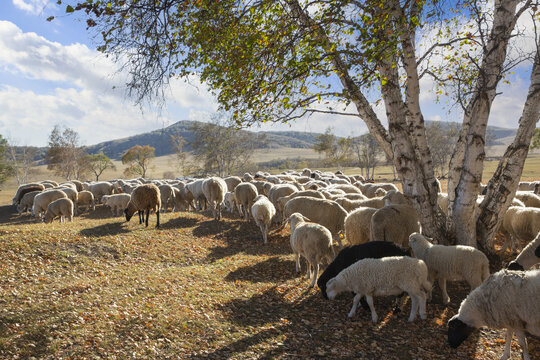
(144, 197)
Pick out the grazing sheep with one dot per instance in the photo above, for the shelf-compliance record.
(116, 202)
(42, 200)
(27, 201)
(520, 224)
(529, 199)
(347, 188)
(330, 193)
(260, 185)
(144, 198)
(312, 241)
(61, 208)
(183, 199)
(528, 257)
(350, 205)
(282, 201)
(78, 185)
(167, 197)
(452, 263)
(327, 213)
(68, 184)
(394, 223)
(50, 182)
(357, 225)
(26, 188)
(278, 191)
(263, 211)
(86, 198)
(232, 182)
(245, 194)
(73, 195)
(506, 300)
(382, 277)
(351, 254)
(214, 190)
(247, 177)
(356, 196)
(196, 189)
(230, 202)
(99, 189)
(528, 185)
(370, 190)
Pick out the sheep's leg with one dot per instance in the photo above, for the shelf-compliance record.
(508, 344)
(422, 305)
(157, 216)
(264, 230)
(369, 300)
(308, 272)
(414, 307)
(141, 217)
(442, 285)
(297, 256)
(356, 300)
(147, 216)
(522, 341)
(315, 275)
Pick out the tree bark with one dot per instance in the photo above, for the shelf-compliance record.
(471, 144)
(503, 185)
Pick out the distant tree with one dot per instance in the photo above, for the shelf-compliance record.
(441, 140)
(183, 162)
(337, 150)
(99, 163)
(22, 159)
(535, 143)
(221, 148)
(65, 156)
(367, 152)
(6, 170)
(168, 175)
(138, 158)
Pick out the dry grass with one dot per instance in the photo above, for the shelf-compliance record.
(196, 288)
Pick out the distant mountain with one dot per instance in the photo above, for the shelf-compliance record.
(160, 139)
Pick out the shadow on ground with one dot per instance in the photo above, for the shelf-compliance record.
(113, 228)
(274, 269)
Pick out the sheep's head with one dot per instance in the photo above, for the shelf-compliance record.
(129, 211)
(334, 288)
(295, 219)
(514, 265)
(48, 218)
(458, 331)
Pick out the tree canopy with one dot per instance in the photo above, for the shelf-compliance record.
(138, 159)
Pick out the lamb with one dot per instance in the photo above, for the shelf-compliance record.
(59, 208)
(387, 276)
(450, 262)
(506, 300)
(528, 257)
(144, 197)
(328, 213)
(99, 189)
(167, 197)
(529, 199)
(245, 194)
(351, 254)
(312, 241)
(232, 182)
(117, 202)
(357, 225)
(214, 190)
(263, 211)
(27, 201)
(350, 205)
(86, 198)
(520, 224)
(42, 200)
(394, 222)
(26, 188)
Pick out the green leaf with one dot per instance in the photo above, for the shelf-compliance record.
(69, 9)
(50, 18)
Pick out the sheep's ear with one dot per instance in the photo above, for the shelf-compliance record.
(305, 218)
(537, 252)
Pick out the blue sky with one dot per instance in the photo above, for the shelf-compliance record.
(51, 74)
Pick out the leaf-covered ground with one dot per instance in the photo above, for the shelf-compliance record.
(196, 289)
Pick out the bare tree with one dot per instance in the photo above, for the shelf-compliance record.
(368, 153)
(65, 156)
(22, 158)
(441, 138)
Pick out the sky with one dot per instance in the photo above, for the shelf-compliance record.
(50, 73)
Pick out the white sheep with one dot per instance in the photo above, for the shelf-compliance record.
(61, 208)
(195, 188)
(27, 201)
(528, 198)
(357, 225)
(214, 190)
(328, 213)
(116, 202)
(183, 199)
(167, 197)
(99, 189)
(230, 202)
(86, 198)
(312, 241)
(520, 224)
(350, 205)
(26, 188)
(382, 277)
(245, 194)
(452, 263)
(42, 200)
(263, 211)
(528, 257)
(506, 300)
(232, 182)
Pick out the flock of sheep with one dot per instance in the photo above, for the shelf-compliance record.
(378, 223)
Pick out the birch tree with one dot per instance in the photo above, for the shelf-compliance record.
(285, 59)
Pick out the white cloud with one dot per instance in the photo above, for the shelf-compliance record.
(31, 6)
